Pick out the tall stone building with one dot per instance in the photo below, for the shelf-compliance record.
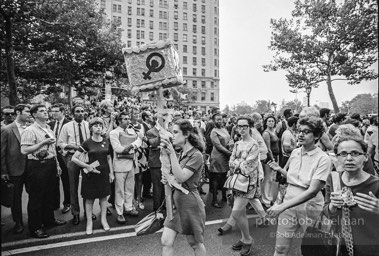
(193, 26)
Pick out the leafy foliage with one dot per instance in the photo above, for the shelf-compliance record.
(326, 41)
(362, 103)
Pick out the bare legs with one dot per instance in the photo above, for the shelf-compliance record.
(168, 239)
(103, 214)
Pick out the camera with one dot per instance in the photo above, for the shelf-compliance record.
(42, 154)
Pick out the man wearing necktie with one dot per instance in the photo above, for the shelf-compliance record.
(58, 111)
(13, 163)
(71, 137)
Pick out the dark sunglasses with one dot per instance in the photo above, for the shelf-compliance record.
(9, 114)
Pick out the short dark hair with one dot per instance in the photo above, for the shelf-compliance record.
(35, 108)
(356, 116)
(314, 123)
(144, 115)
(248, 119)
(60, 106)
(339, 117)
(292, 120)
(20, 108)
(373, 119)
(75, 107)
(324, 112)
(7, 107)
(123, 113)
(287, 113)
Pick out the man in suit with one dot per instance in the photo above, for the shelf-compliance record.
(147, 121)
(13, 163)
(58, 112)
(153, 140)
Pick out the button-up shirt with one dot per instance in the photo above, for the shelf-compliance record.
(20, 127)
(69, 135)
(306, 166)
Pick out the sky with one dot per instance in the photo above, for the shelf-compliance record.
(245, 35)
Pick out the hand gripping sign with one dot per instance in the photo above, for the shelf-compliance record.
(153, 66)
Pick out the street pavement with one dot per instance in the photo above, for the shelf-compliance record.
(121, 239)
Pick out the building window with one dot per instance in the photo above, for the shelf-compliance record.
(129, 10)
(184, 26)
(203, 19)
(194, 28)
(138, 23)
(185, 48)
(184, 38)
(129, 43)
(185, 6)
(176, 46)
(129, 33)
(202, 72)
(142, 11)
(176, 25)
(203, 62)
(164, 36)
(194, 19)
(216, 73)
(203, 96)
(194, 84)
(176, 37)
(203, 84)
(202, 50)
(215, 31)
(216, 21)
(142, 34)
(203, 8)
(215, 10)
(151, 13)
(176, 15)
(194, 61)
(216, 41)
(119, 8)
(184, 71)
(138, 11)
(194, 72)
(114, 9)
(216, 52)
(142, 23)
(185, 16)
(160, 36)
(212, 96)
(138, 34)
(151, 3)
(102, 4)
(151, 36)
(194, 49)
(184, 59)
(129, 22)
(194, 96)
(203, 29)
(203, 40)
(212, 85)
(130, 1)
(194, 39)
(194, 8)
(151, 26)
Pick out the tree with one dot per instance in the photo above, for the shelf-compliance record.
(227, 109)
(262, 106)
(63, 43)
(363, 104)
(326, 41)
(243, 109)
(295, 105)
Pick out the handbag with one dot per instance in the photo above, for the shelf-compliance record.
(83, 156)
(7, 193)
(323, 237)
(238, 182)
(150, 223)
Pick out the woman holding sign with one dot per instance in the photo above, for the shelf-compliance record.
(189, 215)
(98, 172)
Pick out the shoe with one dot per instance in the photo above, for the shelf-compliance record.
(18, 228)
(121, 219)
(237, 246)
(66, 208)
(216, 205)
(56, 223)
(76, 220)
(141, 206)
(223, 232)
(106, 227)
(246, 249)
(109, 213)
(133, 213)
(40, 233)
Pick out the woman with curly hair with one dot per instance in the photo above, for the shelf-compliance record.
(307, 171)
(189, 214)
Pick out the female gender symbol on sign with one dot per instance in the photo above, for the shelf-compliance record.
(153, 65)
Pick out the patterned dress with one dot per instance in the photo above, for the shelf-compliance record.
(245, 157)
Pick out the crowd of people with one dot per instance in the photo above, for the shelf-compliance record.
(116, 148)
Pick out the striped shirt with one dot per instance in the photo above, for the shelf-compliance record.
(35, 134)
(70, 135)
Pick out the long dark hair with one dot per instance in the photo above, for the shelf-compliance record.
(194, 136)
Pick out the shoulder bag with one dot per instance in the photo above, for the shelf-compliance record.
(150, 223)
(83, 156)
(238, 182)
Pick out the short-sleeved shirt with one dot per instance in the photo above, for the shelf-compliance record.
(306, 166)
(288, 135)
(193, 161)
(35, 134)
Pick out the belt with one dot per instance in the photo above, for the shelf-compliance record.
(42, 161)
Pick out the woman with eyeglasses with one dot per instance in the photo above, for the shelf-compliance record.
(245, 159)
(363, 207)
(307, 170)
